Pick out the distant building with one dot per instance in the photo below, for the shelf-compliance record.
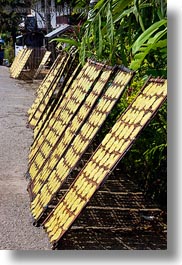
(57, 14)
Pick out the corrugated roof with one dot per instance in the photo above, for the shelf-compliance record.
(57, 31)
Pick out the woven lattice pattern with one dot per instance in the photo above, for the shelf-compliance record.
(49, 88)
(43, 63)
(56, 104)
(80, 143)
(76, 94)
(20, 63)
(16, 60)
(112, 149)
(98, 239)
(52, 108)
(49, 123)
(42, 89)
(113, 218)
(67, 137)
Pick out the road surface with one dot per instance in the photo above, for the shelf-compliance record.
(16, 229)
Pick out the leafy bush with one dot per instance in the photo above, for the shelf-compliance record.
(133, 33)
(9, 53)
(146, 162)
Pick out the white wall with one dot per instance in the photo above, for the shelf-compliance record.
(40, 13)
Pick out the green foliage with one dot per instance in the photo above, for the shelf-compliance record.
(133, 33)
(147, 41)
(71, 42)
(11, 14)
(146, 162)
(9, 53)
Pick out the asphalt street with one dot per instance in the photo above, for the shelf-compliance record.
(16, 229)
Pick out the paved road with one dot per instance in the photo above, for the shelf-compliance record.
(16, 229)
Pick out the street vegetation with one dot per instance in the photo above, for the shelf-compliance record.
(132, 33)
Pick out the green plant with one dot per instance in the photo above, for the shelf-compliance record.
(9, 53)
(146, 162)
(152, 39)
(133, 33)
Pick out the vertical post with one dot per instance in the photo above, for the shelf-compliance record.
(47, 16)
